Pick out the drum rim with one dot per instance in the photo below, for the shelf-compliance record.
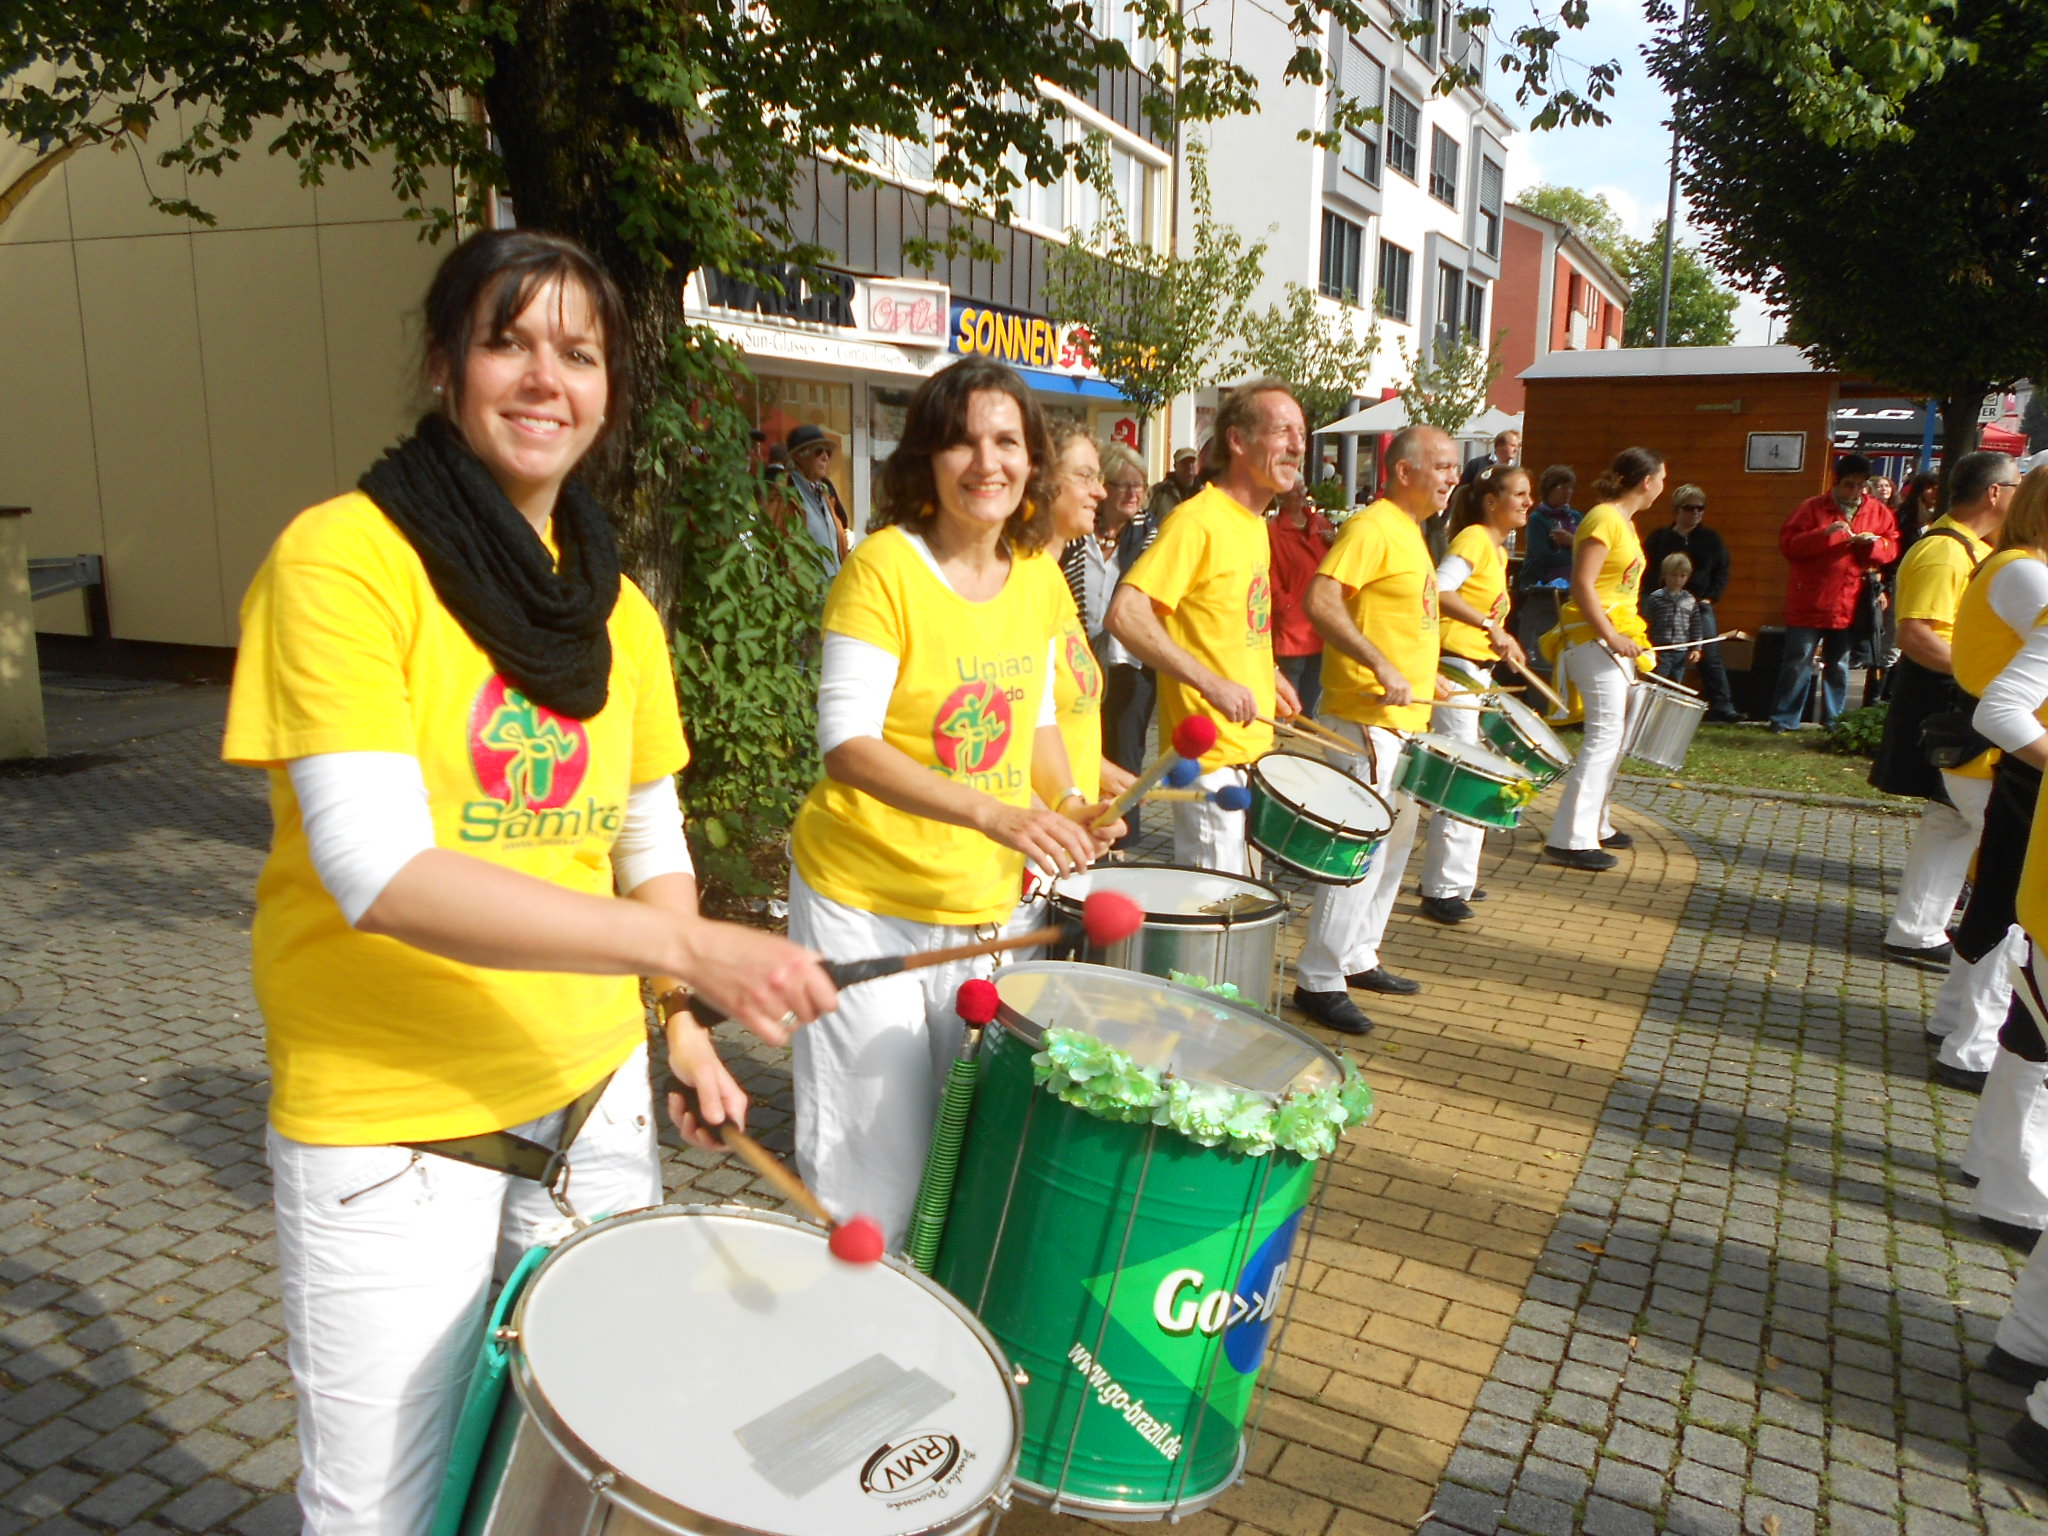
(1033, 1034)
(1425, 743)
(1209, 920)
(635, 1496)
(1259, 781)
(1506, 707)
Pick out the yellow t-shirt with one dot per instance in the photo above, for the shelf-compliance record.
(1077, 696)
(1382, 562)
(345, 648)
(1620, 578)
(969, 685)
(1982, 645)
(1485, 589)
(1209, 569)
(1932, 576)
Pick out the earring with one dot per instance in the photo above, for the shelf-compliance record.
(438, 389)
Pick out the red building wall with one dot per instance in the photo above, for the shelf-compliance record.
(1515, 311)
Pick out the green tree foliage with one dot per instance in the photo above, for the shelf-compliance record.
(1315, 350)
(1158, 319)
(1449, 389)
(1588, 213)
(1702, 310)
(1914, 259)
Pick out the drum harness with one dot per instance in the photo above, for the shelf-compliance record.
(521, 1158)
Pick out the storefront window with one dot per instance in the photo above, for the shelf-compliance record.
(781, 405)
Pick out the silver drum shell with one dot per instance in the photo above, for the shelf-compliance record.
(1666, 721)
(1243, 950)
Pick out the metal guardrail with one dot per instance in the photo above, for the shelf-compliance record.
(53, 574)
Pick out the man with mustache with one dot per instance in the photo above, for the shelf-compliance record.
(1198, 608)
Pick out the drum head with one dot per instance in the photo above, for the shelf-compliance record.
(727, 1364)
(1532, 727)
(1479, 759)
(1331, 794)
(1168, 891)
(1184, 1030)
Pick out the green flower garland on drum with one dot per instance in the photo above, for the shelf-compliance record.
(1102, 1081)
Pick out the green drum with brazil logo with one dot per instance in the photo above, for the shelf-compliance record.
(1466, 783)
(1516, 732)
(1134, 1275)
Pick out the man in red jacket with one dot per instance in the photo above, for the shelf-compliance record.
(1830, 541)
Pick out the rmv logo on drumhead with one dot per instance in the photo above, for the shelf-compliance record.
(1242, 1314)
(919, 1462)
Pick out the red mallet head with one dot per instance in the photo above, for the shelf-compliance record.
(976, 1001)
(1194, 736)
(858, 1241)
(1110, 917)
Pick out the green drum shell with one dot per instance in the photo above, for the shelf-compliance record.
(1460, 790)
(1306, 842)
(1499, 733)
(1058, 1216)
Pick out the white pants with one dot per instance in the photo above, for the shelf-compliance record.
(387, 1258)
(2008, 1150)
(1937, 863)
(1205, 836)
(2023, 1331)
(868, 1075)
(1971, 1006)
(1606, 685)
(1451, 848)
(1347, 921)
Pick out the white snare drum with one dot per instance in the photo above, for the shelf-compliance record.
(716, 1372)
(1666, 719)
(1316, 818)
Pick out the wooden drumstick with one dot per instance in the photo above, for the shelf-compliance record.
(1231, 797)
(1539, 685)
(1688, 645)
(1309, 729)
(1194, 737)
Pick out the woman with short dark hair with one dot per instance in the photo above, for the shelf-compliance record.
(469, 718)
(944, 773)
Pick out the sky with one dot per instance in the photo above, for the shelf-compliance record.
(1629, 160)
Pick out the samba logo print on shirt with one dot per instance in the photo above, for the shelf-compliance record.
(1081, 662)
(972, 729)
(1258, 609)
(529, 763)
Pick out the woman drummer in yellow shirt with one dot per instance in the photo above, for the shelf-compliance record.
(936, 718)
(1601, 635)
(469, 721)
(1483, 515)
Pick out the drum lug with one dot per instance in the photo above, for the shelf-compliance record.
(602, 1481)
(507, 1335)
(1021, 1376)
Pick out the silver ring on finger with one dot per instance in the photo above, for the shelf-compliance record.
(787, 1021)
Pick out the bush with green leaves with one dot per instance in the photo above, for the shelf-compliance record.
(1856, 732)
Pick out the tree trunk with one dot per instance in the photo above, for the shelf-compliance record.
(560, 117)
(1959, 426)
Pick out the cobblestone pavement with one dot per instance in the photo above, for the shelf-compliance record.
(1762, 1307)
(1750, 1303)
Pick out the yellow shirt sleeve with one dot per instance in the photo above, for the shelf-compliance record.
(1177, 561)
(659, 746)
(1603, 523)
(326, 626)
(865, 603)
(1359, 555)
(1931, 580)
(1473, 544)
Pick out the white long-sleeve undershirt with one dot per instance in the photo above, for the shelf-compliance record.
(2006, 715)
(366, 817)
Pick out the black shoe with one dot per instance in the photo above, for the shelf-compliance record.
(1334, 1010)
(2011, 1233)
(1958, 1077)
(1447, 909)
(1934, 1041)
(1967, 1179)
(1780, 730)
(1617, 840)
(1380, 979)
(1723, 717)
(2010, 1367)
(2029, 1442)
(1477, 896)
(1933, 954)
(1580, 858)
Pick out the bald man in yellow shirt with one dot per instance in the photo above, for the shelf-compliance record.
(1375, 602)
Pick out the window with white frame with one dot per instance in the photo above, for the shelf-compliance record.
(1450, 303)
(1489, 206)
(1361, 77)
(1404, 133)
(1396, 281)
(1475, 310)
(1443, 167)
(1342, 267)
(1117, 21)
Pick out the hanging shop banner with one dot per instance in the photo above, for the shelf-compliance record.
(1019, 339)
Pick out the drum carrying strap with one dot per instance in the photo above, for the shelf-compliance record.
(503, 1152)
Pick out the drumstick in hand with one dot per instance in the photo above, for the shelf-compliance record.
(1539, 685)
(1107, 918)
(1308, 729)
(1193, 737)
(1689, 645)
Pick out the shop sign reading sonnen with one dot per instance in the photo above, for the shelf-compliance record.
(1021, 340)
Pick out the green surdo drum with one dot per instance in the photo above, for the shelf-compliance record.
(1466, 783)
(1315, 818)
(1132, 1273)
(1516, 732)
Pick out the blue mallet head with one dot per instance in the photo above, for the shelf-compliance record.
(1234, 797)
(1183, 773)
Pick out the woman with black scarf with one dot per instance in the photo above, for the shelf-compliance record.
(470, 724)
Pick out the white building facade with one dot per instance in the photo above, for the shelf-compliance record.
(1405, 221)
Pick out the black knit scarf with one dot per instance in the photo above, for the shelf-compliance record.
(542, 626)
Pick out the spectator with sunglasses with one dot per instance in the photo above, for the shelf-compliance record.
(1687, 534)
